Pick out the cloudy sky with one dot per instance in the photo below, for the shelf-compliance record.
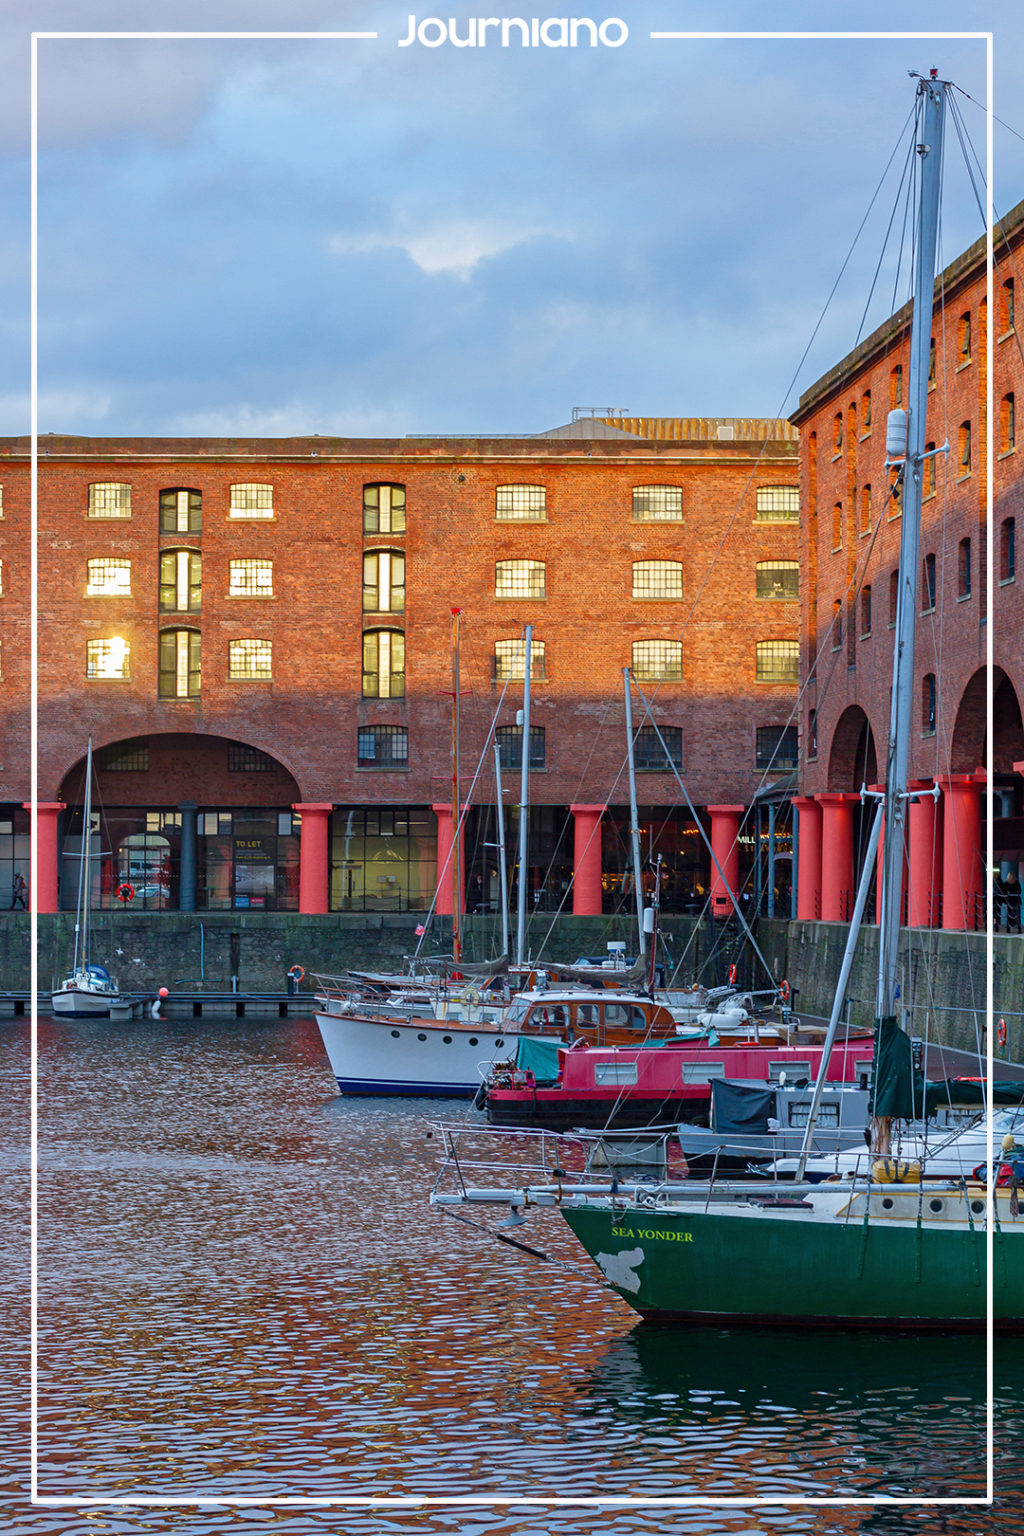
(351, 236)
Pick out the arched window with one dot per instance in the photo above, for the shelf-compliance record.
(654, 580)
(928, 704)
(963, 338)
(181, 581)
(383, 664)
(964, 448)
(778, 579)
(108, 576)
(657, 503)
(252, 501)
(520, 578)
(1008, 550)
(1007, 424)
(181, 511)
(383, 508)
(896, 387)
(250, 660)
(778, 661)
(179, 670)
(658, 661)
(865, 509)
(384, 581)
(510, 659)
(865, 611)
(865, 413)
(110, 498)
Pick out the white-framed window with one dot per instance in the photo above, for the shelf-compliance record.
(181, 581)
(520, 578)
(252, 500)
(179, 673)
(510, 659)
(778, 579)
(110, 498)
(657, 503)
(109, 659)
(778, 504)
(384, 581)
(382, 746)
(657, 580)
(778, 661)
(383, 508)
(383, 664)
(658, 661)
(251, 578)
(250, 659)
(520, 503)
(108, 576)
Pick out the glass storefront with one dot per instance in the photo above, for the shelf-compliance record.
(248, 860)
(383, 858)
(14, 856)
(549, 859)
(685, 861)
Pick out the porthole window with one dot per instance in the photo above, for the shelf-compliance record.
(499, 1043)
(977, 1207)
(395, 1035)
(936, 1205)
(447, 1039)
(421, 1036)
(473, 1040)
(888, 1203)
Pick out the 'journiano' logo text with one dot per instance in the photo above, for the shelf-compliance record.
(516, 31)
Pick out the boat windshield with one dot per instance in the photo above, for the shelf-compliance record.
(517, 1010)
(1011, 1119)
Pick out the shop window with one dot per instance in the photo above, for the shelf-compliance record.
(250, 660)
(963, 568)
(778, 579)
(1007, 424)
(383, 746)
(251, 578)
(383, 664)
(658, 661)
(383, 858)
(657, 503)
(510, 660)
(778, 661)
(520, 578)
(181, 511)
(651, 755)
(108, 577)
(181, 581)
(778, 504)
(179, 670)
(510, 746)
(520, 503)
(108, 659)
(865, 611)
(928, 584)
(928, 704)
(252, 501)
(1008, 549)
(110, 499)
(383, 508)
(776, 747)
(384, 581)
(654, 580)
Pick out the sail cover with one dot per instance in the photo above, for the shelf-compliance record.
(893, 1090)
(738, 1108)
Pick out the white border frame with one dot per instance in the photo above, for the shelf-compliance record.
(421, 1501)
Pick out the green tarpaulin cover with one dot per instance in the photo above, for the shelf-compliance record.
(965, 1093)
(893, 1080)
(538, 1056)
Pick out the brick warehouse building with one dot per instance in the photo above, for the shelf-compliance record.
(257, 637)
(849, 549)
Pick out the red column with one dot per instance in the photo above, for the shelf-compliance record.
(445, 863)
(924, 836)
(808, 875)
(725, 831)
(586, 885)
(962, 875)
(836, 856)
(44, 886)
(313, 856)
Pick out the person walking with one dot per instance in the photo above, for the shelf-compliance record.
(19, 891)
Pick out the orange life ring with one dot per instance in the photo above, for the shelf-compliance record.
(125, 892)
(1001, 1031)
(296, 973)
(732, 975)
(784, 991)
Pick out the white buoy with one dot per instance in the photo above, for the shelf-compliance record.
(155, 1007)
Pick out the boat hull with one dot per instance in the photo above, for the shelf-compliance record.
(737, 1266)
(70, 1004)
(381, 1057)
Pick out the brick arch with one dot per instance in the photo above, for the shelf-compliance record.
(182, 766)
(1008, 743)
(852, 758)
(968, 739)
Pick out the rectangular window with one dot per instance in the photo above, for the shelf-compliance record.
(1008, 550)
(778, 504)
(657, 503)
(778, 579)
(383, 508)
(865, 509)
(384, 581)
(251, 578)
(126, 757)
(510, 659)
(928, 593)
(1007, 424)
(520, 578)
(108, 577)
(963, 569)
(837, 624)
(1008, 307)
(250, 659)
(243, 759)
(110, 499)
(896, 386)
(778, 661)
(383, 746)
(837, 525)
(510, 746)
(615, 1074)
(383, 664)
(108, 659)
(520, 503)
(252, 501)
(964, 447)
(658, 579)
(776, 747)
(928, 704)
(928, 471)
(894, 594)
(181, 511)
(649, 756)
(865, 611)
(179, 674)
(181, 581)
(658, 661)
(812, 734)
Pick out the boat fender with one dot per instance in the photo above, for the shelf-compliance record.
(889, 1170)
(125, 892)
(296, 973)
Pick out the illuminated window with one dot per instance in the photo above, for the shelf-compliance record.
(520, 503)
(519, 578)
(383, 508)
(108, 577)
(384, 581)
(383, 664)
(651, 756)
(657, 503)
(110, 499)
(776, 747)
(510, 659)
(250, 659)
(181, 581)
(108, 659)
(252, 501)
(383, 746)
(778, 661)
(251, 578)
(179, 671)
(658, 661)
(778, 579)
(778, 504)
(657, 579)
(510, 746)
(181, 511)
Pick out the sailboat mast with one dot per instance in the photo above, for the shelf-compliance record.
(634, 824)
(84, 869)
(502, 867)
(932, 97)
(524, 799)
(456, 795)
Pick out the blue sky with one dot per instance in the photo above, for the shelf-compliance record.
(359, 238)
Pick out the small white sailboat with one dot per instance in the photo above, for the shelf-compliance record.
(88, 991)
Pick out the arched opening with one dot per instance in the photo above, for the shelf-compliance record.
(852, 760)
(967, 743)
